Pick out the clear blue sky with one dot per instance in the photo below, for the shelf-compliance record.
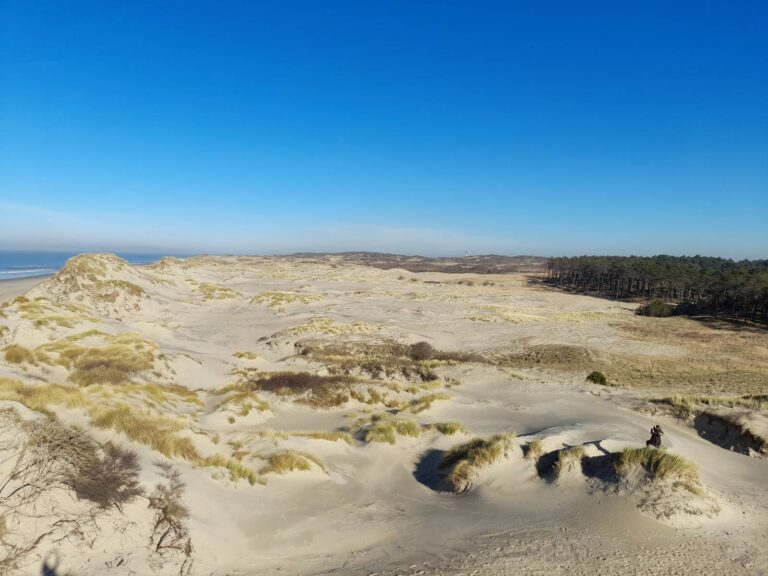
(420, 127)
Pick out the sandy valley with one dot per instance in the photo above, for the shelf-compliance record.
(312, 415)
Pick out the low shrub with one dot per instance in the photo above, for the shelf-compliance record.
(655, 308)
(311, 389)
(596, 378)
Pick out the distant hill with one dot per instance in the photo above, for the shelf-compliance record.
(486, 264)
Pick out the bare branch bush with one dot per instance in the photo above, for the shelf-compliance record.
(43, 461)
(170, 535)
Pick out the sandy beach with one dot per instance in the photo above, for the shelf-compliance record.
(10, 289)
(430, 423)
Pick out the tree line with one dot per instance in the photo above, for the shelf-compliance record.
(690, 285)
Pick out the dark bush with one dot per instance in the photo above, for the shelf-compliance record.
(596, 377)
(656, 308)
(111, 480)
(421, 351)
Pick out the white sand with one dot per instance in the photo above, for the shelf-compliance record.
(367, 513)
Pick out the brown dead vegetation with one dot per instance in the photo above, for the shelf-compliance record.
(381, 358)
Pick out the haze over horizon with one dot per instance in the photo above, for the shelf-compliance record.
(429, 129)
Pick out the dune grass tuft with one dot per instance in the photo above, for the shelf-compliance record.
(16, 354)
(448, 428)
(237, 470)
(465, 460)
(660, 464)
(387, 430)
(423, 403)
(568, 459)
(534, 449)
(290, 461)
(216, 292)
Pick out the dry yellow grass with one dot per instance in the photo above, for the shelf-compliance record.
(116, 360)
(327, 326)
(277, 299)
(166, 395)
(110, 290)
(237, 470)
(16, 354)
(154, 430)
(290, 461)
(244, 401)
(685, 406)
(39, 397)
(327, 436)
(41, 312)
(216, 292)
(423, 403)
(448, 428)
(385, 429)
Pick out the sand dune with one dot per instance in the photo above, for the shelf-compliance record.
(315, 432)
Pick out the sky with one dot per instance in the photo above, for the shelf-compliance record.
(435, 128)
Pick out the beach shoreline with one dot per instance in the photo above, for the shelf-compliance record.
(12, 287)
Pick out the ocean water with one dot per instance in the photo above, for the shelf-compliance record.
(23, 264)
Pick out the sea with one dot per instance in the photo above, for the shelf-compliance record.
(24, 264)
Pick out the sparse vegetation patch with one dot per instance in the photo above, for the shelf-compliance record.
(305, 388)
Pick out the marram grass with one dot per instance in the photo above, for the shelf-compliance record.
(290, 461)
(465, 460)
(568, 458)
(660, 464)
